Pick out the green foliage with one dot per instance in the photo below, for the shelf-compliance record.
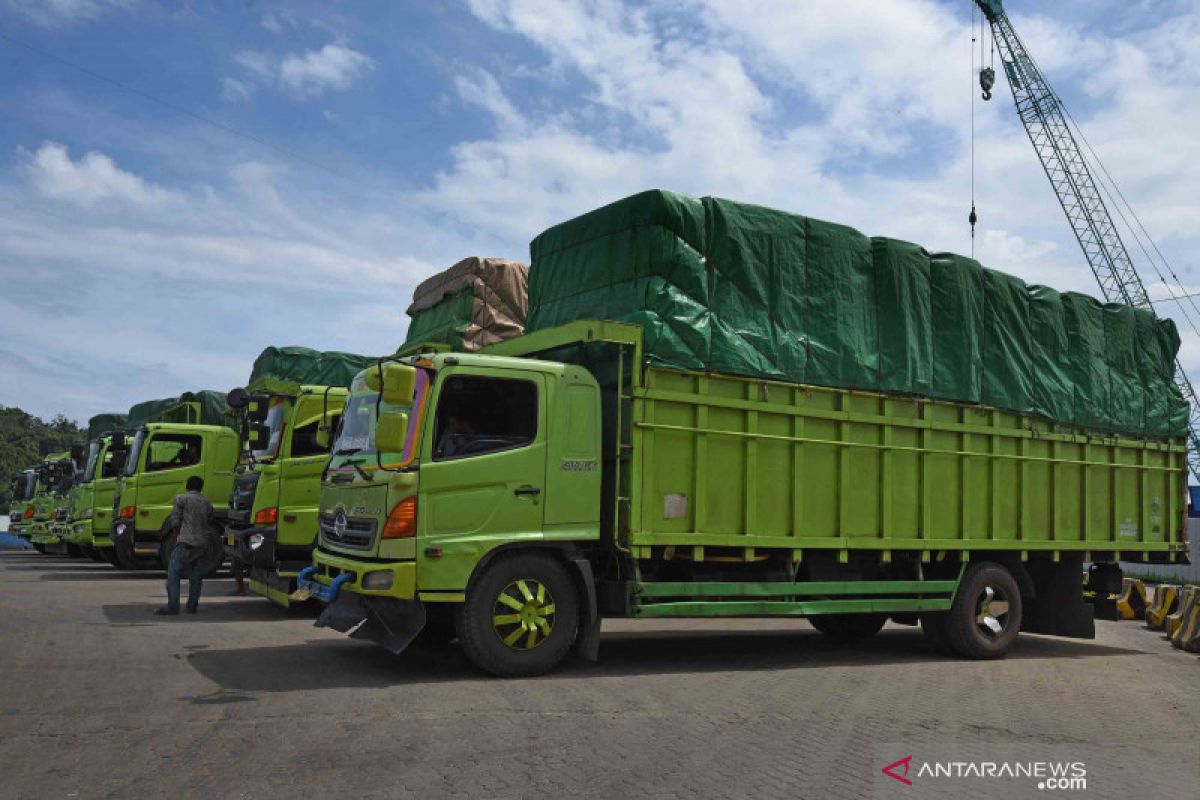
(25, 439)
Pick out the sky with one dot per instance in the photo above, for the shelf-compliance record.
(185, 183)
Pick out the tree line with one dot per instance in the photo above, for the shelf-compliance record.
(25, 439)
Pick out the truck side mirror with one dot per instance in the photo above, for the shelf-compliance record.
(119, 442)
(390, 432)
(77, 453)
(322, 436)
(259, 436)
(396, 383)
(258, 407)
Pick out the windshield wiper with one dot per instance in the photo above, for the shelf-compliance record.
(362, 473)
(348, 451)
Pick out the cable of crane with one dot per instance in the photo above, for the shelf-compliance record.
(1123, 200)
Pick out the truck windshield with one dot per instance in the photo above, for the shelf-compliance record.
(274, 423)
(89, 471)
(357, 433)
(135, 452)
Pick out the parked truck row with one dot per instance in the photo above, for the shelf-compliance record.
(682, 408)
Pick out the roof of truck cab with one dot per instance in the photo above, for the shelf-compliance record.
(186, 427)
(498, 362)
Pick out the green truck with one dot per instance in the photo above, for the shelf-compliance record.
(776, 416)
(55, 477)
(88, 516)
(287, 410)
(189, 436)
(21, 488)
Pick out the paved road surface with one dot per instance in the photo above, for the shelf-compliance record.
(98, 698)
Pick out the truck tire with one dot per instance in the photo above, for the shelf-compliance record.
(848, 627)
(985, 618)
(520, 617)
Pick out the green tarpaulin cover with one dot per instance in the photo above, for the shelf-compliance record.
(104, 423)
(477, 302)
(204, 407)
(147, 411)
(730, 287)
(283, 370)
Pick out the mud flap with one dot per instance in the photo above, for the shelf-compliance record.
(392, 624)
(1058, 608)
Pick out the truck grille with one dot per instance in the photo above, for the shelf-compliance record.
(359, 533)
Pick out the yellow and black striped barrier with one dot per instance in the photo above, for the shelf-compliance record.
(1189, 598)
(1166, 602)
(1132, 602)
(1187, 637)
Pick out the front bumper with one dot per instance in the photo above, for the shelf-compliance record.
(350, 573)
(125, 534)
(39, 533)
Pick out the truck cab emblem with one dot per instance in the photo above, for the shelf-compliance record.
(339, 523)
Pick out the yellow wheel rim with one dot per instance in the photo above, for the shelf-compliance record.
(523, 615)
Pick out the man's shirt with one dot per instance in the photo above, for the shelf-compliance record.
(193, 515)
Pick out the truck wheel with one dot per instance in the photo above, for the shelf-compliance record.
(848, 627)
(985, 618)
(41, 548)
(521, 616)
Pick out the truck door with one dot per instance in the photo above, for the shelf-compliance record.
(170, 459)
(300, 473)
(483, 470)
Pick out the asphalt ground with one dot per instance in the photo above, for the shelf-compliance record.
(99, 698)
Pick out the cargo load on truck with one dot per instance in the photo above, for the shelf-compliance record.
(105, 423)
(204, 407)
(477, 302)
(719, 286)
(147, 411)
(283, 370)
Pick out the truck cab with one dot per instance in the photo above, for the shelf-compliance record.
(443, 464)
(56, 474)
(91, 522)
(22, 486)
(161, 458)
(272, 523)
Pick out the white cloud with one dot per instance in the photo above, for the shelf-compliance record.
(92, 179)
(235, 91)
(62, 12)
(332, 68)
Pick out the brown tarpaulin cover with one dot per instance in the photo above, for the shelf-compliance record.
(477, 302)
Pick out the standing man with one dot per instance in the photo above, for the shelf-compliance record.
(192, 517)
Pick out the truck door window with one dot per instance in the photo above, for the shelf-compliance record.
(478, 415)
(173, 450)
(304, 438)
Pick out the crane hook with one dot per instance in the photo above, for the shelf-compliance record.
(973, 219)
(987, 79)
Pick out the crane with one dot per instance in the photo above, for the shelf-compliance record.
(1045, 120)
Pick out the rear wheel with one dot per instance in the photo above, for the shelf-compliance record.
(41, 548)
(848, 627)
(985, 618)
(520, 617)
(74, 551)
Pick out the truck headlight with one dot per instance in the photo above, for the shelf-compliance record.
(378, 580)
(255, 541)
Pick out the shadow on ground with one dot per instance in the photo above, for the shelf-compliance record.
(340, 664)
(220, 608)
